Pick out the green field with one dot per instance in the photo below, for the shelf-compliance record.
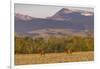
(23, 59)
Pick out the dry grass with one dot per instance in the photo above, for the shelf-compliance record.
(24, 59)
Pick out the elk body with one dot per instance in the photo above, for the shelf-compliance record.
(41, 51)
(68, 51)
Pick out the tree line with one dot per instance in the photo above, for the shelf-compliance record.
(28, 45)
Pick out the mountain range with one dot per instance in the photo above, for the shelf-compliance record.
(64, 22)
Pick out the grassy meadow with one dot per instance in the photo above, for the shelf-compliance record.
(23, 59)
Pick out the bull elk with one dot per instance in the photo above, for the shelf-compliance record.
(68, 51)
(41, 51)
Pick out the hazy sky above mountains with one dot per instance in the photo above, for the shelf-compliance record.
(42, 11)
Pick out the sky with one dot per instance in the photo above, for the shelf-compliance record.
(42, 11)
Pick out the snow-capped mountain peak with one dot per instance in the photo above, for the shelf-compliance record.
(23, 17)
(69, 14)
(87, 13)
